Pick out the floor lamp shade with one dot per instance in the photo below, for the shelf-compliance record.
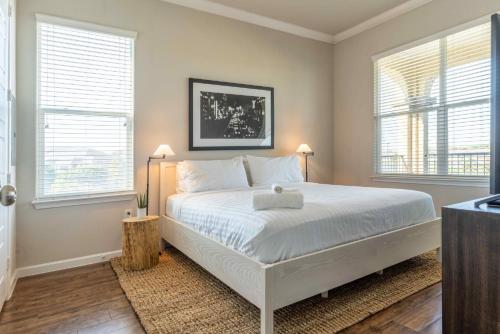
(304, 148)
(164, 150)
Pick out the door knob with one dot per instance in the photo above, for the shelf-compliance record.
(8, 195)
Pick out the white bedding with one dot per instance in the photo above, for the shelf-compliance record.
(332, 215)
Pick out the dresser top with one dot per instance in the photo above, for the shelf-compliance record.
(469, 206)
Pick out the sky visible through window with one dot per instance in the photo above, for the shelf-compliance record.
(85, 142)
(424, 128)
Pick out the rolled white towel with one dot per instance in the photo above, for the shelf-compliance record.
(277, 188)
(268, 199)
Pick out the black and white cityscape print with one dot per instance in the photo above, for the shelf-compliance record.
(230, 116)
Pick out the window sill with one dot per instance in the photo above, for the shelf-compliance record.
(56, 202)
(458, 181)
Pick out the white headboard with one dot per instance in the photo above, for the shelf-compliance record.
(167, 184)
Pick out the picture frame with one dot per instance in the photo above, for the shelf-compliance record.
(230, 116)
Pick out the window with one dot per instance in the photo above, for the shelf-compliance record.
(85, 109)
(432, 107)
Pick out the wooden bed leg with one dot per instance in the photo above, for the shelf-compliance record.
(439, 254)
(380, 272)
(266, 320)
(324, 294)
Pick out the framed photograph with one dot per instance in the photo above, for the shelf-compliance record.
(230, 116)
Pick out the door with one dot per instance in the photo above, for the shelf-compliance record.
(7, 193)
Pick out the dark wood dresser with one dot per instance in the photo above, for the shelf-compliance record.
(471, 269)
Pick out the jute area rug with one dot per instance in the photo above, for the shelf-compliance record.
(178, 296)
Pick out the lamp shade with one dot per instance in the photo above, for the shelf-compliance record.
(164, 150)
(304, 148)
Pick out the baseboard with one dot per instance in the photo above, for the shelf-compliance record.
(65, 264)
(13, 282)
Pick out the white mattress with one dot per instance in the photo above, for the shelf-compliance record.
(332, 215)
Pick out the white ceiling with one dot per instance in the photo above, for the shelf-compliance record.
(327, 16)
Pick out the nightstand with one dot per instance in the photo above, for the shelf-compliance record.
(140, 242)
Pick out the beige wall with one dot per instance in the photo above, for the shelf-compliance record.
(173, 44)
(353, 90)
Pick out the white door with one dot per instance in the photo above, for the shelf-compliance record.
(7, 193)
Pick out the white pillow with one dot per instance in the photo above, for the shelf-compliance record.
(266, 171)
(204, 175)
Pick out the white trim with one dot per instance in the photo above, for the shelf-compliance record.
(85, 25)
(459, 181)
(56, 202)
(433, 37)
(12, 286)
(66, 264)
(379, 19)
(264, 21)
(248, 17)
(39, 135)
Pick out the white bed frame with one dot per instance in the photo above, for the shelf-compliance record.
(273, 286)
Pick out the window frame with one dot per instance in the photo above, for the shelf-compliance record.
(42, 201)
(449, 180)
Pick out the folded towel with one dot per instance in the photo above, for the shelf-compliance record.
(268, 199)
(277, 188)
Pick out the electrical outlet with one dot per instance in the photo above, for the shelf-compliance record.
(128, 213)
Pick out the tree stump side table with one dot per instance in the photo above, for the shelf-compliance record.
(140, 242)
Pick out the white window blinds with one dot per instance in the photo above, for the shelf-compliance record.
(432, 107)
(85, 110)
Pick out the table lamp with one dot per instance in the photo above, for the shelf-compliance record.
(162, 152)
(306, 151)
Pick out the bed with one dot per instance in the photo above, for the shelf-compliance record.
(274, 258)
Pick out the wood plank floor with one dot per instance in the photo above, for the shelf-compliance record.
(89, 300)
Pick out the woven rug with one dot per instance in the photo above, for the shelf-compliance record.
(178, 296)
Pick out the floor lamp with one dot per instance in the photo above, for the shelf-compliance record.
(162, 152)
(306, 151)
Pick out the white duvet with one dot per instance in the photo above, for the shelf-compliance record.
(332, 215)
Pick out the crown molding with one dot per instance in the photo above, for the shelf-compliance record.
(379, 19)
(264, 21)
